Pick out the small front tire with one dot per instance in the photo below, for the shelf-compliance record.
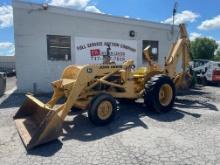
(102, 109)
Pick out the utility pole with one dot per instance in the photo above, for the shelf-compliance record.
(174, 13)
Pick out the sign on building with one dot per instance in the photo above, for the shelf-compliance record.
(92, 50)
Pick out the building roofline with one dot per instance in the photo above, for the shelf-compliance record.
(32, 7)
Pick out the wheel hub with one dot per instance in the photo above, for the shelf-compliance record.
(165, 94)
(105, 110)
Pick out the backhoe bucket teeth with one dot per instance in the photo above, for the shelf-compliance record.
(36, 123)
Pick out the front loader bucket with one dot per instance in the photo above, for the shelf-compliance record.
(36, 123)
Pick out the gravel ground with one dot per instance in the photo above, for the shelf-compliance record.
(189, 134)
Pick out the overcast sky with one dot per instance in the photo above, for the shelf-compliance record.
(201, 16)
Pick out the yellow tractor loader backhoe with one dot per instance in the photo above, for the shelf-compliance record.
(95, 88)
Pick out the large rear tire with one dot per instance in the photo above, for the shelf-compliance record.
(102, 109)
(159, 94)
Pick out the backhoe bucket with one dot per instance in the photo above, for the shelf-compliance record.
(183, 81)
(37, 123)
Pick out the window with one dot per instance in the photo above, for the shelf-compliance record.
(58, 48)
(154, 49)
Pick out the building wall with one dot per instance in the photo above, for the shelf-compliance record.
(7, 63)
(33, 24)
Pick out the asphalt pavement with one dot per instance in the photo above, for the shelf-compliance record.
(189, 134)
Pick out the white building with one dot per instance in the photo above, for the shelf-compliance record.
(47, 39)
(7, 63)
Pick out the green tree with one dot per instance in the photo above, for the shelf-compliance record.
(203, 48)
(217, 55)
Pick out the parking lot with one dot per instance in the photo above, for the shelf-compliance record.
(189, 134)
